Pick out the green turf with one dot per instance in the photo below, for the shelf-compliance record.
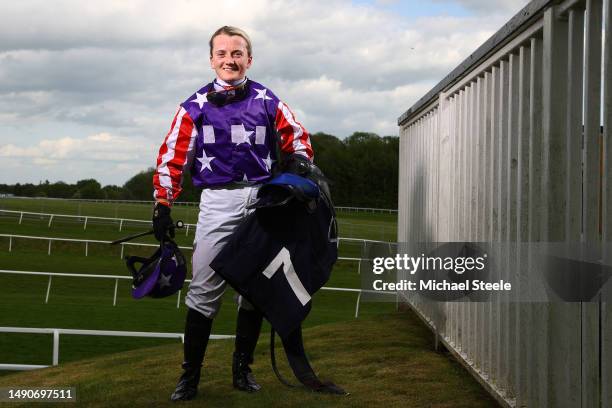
(101, 233)
(377, 226)
(351, 225)
(87, 303)
(188, 214)
(383, 361)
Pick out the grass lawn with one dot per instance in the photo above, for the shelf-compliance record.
(384, 358)
(377, 226)
(383, 361)
(87, 303)
(136, 211)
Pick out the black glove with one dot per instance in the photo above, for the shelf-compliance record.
(162, 222)
(297, 164)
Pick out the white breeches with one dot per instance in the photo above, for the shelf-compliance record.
(221, 211)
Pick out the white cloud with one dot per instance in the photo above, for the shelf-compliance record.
(118, 70)
(98, 147)
(16, 151)
(42, 161)
(111, 159)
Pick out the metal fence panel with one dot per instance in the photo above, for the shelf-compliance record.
(505, 152)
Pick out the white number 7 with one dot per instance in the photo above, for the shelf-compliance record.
(283, 258)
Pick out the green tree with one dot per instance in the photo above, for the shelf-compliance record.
(113, 192)
(331, 156)
(363, 169)
(61, 190)
(25, 190)
(89, 189)
(140, 186)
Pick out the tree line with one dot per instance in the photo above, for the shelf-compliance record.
(363, 169)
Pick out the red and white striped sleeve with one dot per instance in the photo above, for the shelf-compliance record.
(175, 155)
(293, 137)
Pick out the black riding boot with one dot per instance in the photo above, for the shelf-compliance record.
(197, 332)
(294, 349)
(248, 327)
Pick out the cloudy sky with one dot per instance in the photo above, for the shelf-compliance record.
(88, 88)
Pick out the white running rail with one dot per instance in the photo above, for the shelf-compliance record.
(178, 299)
(56, 332)
(188, 203)
(93, 241)
(56, 337)
(85, 219)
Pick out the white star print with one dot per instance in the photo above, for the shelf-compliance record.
(205, 161)
(164, 280)
(240, 134)
(268, 161)
(200, 99)
(245, 178)
(261, 94)
(247, 136)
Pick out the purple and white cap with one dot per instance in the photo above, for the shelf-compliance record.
(161, 275)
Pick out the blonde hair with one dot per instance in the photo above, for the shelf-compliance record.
(229, 30)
